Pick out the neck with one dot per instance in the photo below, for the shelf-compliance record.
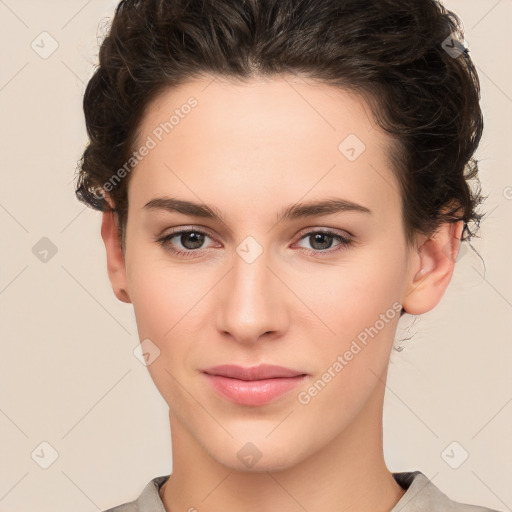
(346, 474)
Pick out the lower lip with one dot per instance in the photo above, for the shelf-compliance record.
(253, 392)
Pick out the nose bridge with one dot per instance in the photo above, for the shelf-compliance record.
(250, 305)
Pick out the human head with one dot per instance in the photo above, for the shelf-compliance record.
(389, 51)
(386, 56)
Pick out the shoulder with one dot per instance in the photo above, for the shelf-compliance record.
(423, 496)
(148, 501)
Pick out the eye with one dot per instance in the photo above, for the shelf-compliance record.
(321, 241)
(190, 239)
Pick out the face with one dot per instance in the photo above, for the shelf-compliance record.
(318, 291)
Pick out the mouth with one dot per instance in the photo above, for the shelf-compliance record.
(261, 372)
(253, 386)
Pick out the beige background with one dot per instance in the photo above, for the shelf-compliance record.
(68, 374)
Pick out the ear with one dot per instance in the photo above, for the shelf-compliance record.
(432, 268)
(115, 259)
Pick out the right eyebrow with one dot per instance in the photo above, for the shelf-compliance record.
(184, 207)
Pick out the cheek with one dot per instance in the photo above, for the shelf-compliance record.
(362, 310)
(353, 295)
(164, 309)
(163, 300)
(154, 306)
(162, 292)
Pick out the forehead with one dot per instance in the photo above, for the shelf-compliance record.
(260, 136)
(257, 107)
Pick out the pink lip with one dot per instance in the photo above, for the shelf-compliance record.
(255, 385)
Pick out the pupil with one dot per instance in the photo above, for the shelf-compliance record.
(318, 237)
(196, 240)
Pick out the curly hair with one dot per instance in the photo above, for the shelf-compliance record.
(393, 53)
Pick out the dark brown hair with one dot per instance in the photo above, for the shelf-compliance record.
(394, 53)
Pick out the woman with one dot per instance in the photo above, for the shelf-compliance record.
(280, 181)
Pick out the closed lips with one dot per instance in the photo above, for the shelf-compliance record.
(252, 373)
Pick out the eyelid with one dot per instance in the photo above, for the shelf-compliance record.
(194, 227)
(324, 229)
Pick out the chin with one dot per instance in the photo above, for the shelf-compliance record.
(259, 453)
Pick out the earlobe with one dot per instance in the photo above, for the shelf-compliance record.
(432, 270)
(115, 259)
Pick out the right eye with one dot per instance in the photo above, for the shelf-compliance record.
(191, 241)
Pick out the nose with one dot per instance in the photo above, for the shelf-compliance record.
(252, 301)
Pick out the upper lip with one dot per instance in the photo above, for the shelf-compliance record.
(263, 371)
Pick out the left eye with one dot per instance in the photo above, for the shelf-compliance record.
(323, 240)
(191, 241)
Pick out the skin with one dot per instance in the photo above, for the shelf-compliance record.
(250, 150)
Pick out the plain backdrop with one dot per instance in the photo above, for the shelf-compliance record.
(69, 377)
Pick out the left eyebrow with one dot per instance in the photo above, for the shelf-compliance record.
(294, 211)
(318, 208)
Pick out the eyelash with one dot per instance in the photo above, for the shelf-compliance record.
(164, 241)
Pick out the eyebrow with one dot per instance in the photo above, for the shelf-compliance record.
(293, 211)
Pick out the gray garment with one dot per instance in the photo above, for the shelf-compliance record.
(421, 496)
